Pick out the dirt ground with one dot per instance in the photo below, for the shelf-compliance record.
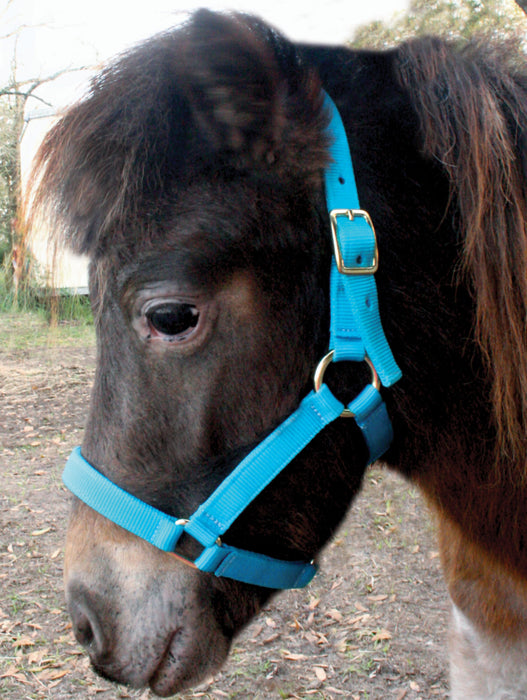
(372, 624)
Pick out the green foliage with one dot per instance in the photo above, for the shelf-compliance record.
(73, 307)
(452, 19)
(35, 297)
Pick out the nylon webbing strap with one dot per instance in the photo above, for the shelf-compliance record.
(118, 505)
(163, 531)
(214, 517)
(356, 326)
(218, 512)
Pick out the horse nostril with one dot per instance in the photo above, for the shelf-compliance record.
(86, 624)
(83, 629)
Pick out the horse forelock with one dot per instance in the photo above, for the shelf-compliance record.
(218, 95)
(472, 104)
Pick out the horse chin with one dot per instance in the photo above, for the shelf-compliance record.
(179, 669)
(184, 661)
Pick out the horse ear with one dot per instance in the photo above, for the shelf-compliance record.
(250, 95)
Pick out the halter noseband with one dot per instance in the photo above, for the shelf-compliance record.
(355, 334)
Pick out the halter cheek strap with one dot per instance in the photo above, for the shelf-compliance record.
(355, 334)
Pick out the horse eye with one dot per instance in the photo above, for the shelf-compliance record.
(172, 319)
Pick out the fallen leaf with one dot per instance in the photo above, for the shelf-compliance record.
(11, 671)
(320, 673)
(23, 642)
(293, 657)
(58, 674)
(256, 631)
(380, 635)
(35, 657)
(321, 639)
(335, 614)
(37, 533)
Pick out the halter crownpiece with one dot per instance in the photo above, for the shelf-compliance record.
(356, 334)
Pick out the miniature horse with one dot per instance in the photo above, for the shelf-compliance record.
(192, 176)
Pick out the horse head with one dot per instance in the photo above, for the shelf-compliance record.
(192, 175)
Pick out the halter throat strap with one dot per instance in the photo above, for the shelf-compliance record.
(355, 334)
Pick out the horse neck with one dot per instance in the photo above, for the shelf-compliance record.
(446, 434)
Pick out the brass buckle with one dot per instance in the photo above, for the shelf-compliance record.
(351, 214)
(324, 364)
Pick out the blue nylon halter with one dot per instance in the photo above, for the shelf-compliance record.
(355, 334)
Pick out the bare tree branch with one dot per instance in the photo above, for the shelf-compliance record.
(20, 93)
(36, 82)
(20, 28)
(6, 7)
(26, 88)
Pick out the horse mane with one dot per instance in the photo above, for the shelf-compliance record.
(472, 105)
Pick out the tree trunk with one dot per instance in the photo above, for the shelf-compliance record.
(18, 242)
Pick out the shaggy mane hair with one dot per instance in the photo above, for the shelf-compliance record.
(472, 104)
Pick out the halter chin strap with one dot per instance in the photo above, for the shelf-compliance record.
(355, 334)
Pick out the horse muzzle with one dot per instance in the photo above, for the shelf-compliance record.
(143, 617)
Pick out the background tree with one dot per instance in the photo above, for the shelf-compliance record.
(454, 19)
(7, 177)
(16, 96)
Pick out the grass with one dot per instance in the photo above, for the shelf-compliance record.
(38, 306)
(24, 330)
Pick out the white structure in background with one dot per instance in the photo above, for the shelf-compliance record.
(66, 272)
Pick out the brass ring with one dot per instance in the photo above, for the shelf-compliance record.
(321, 370)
